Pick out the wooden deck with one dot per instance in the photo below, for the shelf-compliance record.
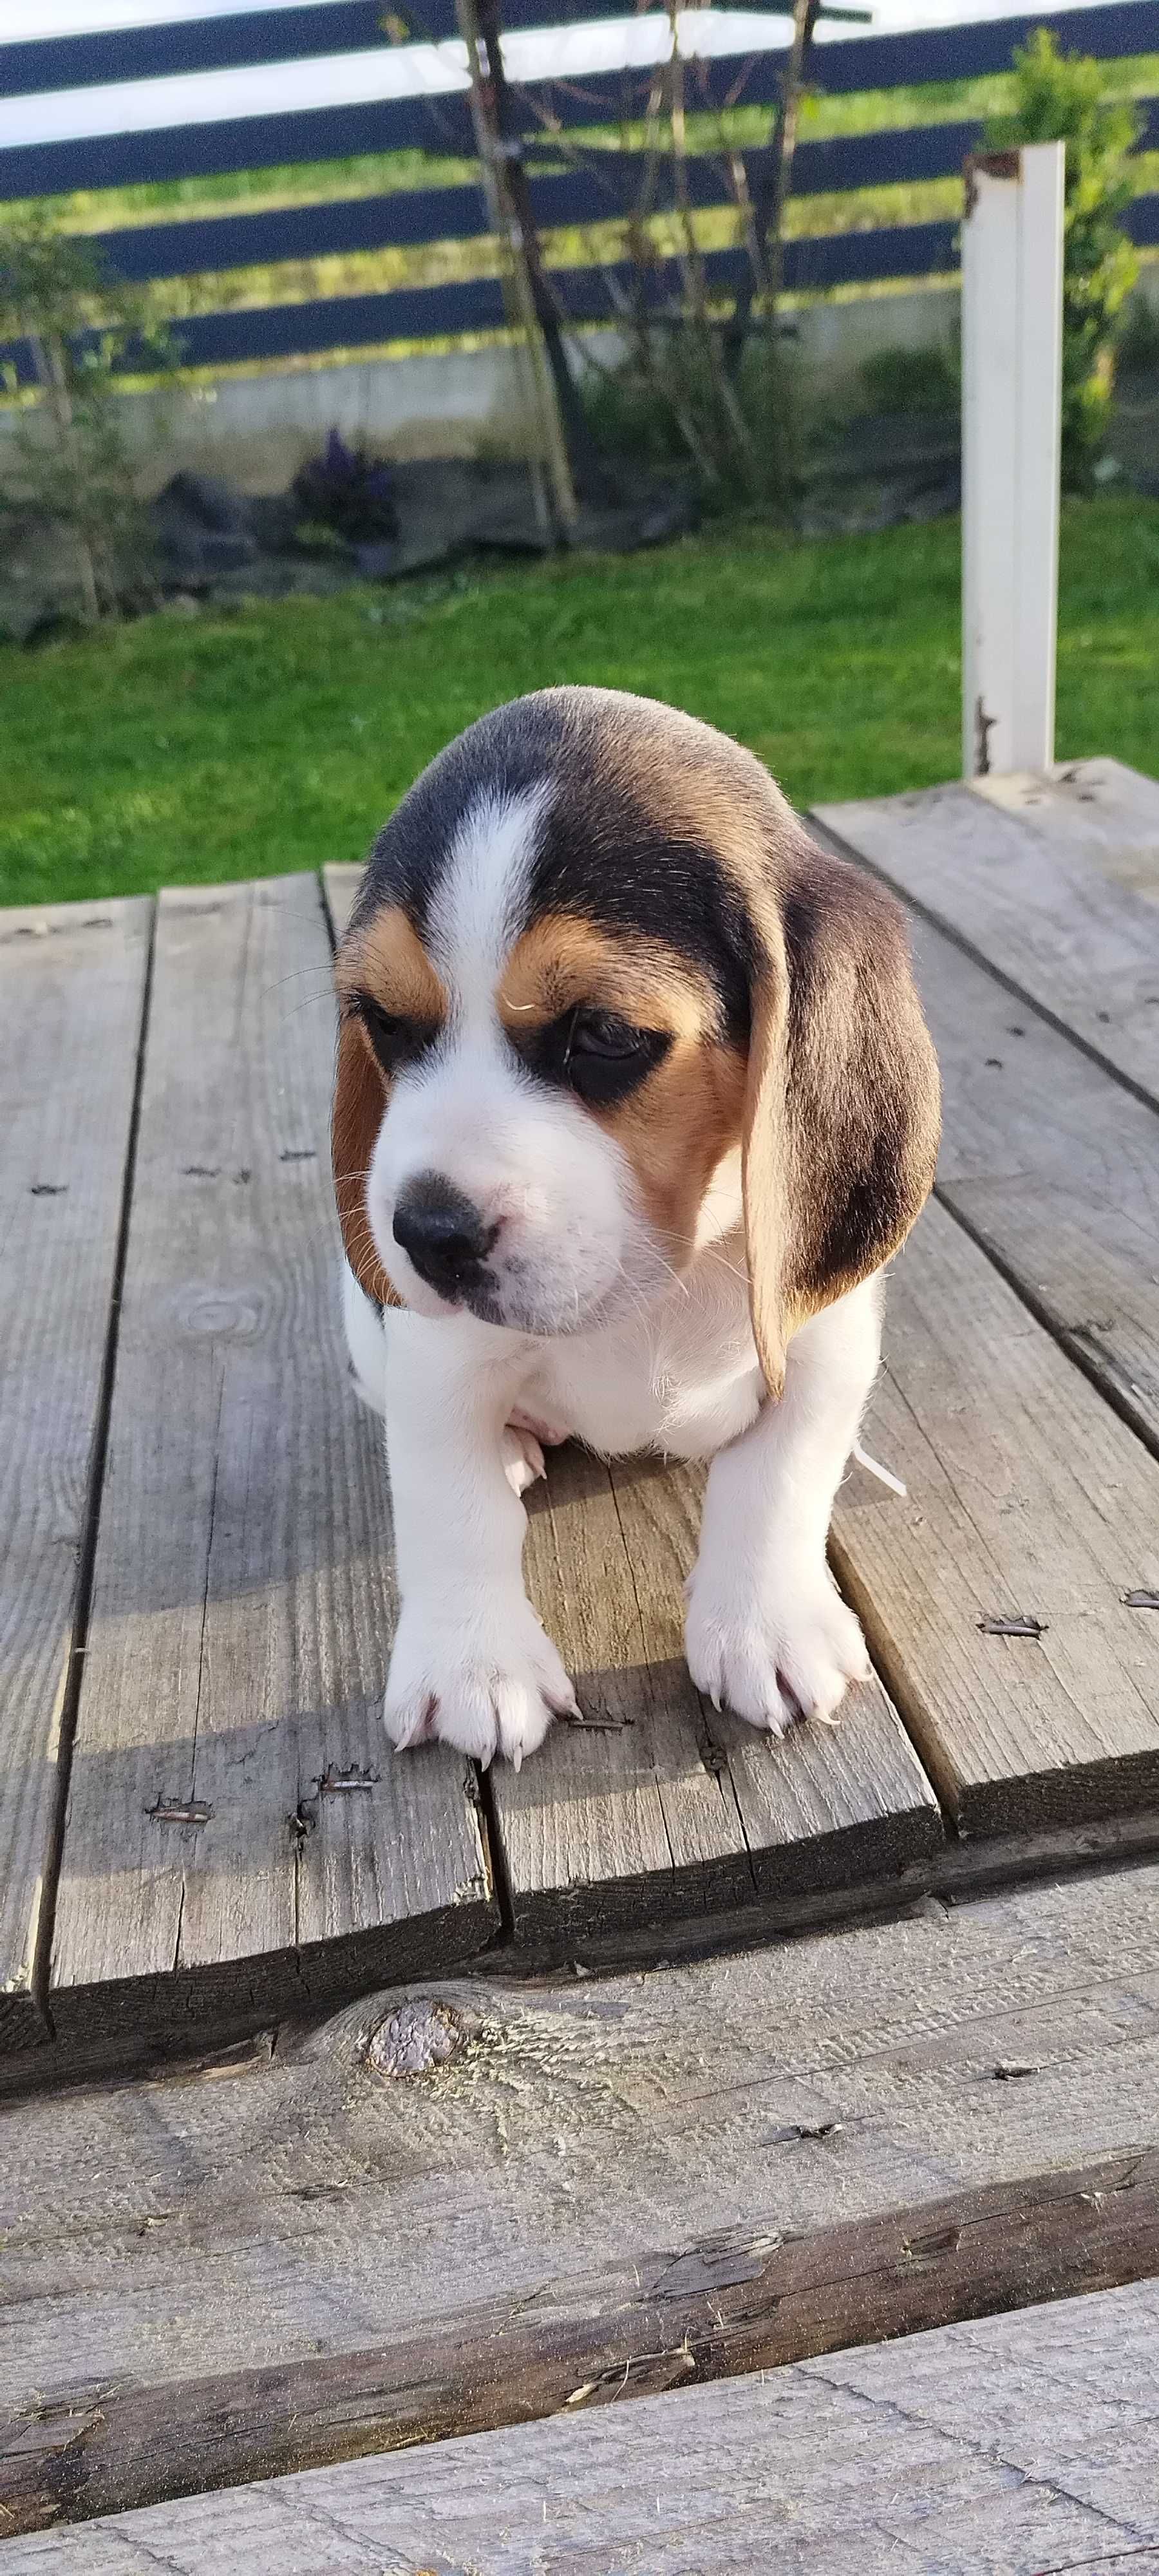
(200, 1822)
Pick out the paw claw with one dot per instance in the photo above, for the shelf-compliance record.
(774, 1653)
(487, 1683)
(523, 1459)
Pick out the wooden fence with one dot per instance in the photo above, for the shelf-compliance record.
(563, 198)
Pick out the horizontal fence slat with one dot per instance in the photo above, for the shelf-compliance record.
(586, 294)
(813, 263)
(252, 37)
(403, 220)
(440, 124)
(1123, 27)
(603, 190)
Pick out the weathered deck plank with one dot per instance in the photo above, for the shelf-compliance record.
(1103, 811)
(1036, 907)
(656, 1806)
(204, 2275)
(72, 982)
(1055, 1169)
(1027, 1497)
(241, 1597)
(1019, 2443)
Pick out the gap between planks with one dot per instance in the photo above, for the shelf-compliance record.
(241, 1595)
(1036, 903)
(684, 1829)
(75, 981)
(1022, 2443)
(738, 2162)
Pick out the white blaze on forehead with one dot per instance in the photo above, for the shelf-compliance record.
(481, 903)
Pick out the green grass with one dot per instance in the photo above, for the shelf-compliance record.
(276, 737)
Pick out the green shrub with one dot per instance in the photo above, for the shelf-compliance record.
(1059, 99)
(1137, 341)
(924, 381)
(663, 406)
(68, 460)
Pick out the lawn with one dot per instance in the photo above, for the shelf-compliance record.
(275, 737)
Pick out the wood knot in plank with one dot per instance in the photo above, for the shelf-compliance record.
(415, 2040)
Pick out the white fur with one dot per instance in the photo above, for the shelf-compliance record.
(599, 1338)
(573, 1244)
(767, 1633)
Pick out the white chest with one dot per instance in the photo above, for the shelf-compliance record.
(680, 1377)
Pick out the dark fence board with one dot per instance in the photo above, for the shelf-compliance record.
(252, 37)
(603, 190)
(813, 262)
(355, 26)
(1123, 28)
(238, 143)
(476, 304)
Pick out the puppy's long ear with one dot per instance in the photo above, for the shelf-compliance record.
(359, 1103)
(842, 1106)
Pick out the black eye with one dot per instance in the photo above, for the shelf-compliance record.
(396, 1040)
(601, 1033)
(605, 1057)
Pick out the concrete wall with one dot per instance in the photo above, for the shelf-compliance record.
(258, 428)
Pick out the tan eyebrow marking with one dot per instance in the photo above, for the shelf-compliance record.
(385, 957)
(563, 959)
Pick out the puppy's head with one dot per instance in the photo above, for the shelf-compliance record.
(593, 954)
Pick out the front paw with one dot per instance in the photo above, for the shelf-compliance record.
(773, 1652)
(488, 1681)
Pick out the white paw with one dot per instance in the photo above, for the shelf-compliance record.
(773, 1655)
(489, 1682)
(522, 1457)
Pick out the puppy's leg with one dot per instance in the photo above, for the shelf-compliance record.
(767, 1631)
(470, 1662)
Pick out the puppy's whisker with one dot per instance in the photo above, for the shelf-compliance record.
(293, 976)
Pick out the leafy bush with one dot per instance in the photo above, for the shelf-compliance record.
(346, 493)
(1137, 343)
(663, 406)
(920, 381)
(1059, 99)
(69, 459)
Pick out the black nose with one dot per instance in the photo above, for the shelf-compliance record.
(442, 1233)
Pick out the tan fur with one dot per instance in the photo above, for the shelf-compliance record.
(842, 1108)
(676, 1129)
(697, 784)
(843, 1105)
(563, 959)
(385, 957)
(359, 1103)
(838, 1109)
(687, 1113)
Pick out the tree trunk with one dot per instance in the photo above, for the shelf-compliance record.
(766, 243)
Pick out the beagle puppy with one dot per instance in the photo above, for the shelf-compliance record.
(634, 1101)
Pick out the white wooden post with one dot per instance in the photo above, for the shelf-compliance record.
(1011, 408)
